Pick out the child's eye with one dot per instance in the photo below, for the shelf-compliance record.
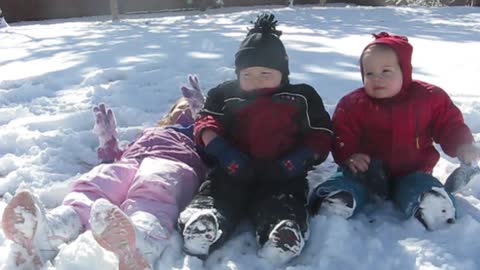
(387, 71)
(369, 74)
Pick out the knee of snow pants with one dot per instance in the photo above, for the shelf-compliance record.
(161, 187)
(110, 181)
(408, 190)
(284, 201)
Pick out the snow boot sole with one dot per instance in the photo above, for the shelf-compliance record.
(19, 223)
(114, 231)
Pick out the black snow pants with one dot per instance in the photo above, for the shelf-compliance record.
(265, 201)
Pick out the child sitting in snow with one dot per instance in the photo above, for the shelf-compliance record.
(131, 204)
(384, 135)
(263, 134)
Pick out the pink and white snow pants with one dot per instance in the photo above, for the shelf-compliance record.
(161, 187)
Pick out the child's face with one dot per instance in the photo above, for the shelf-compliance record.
(182, 109)
(253, 78)
(382, 75)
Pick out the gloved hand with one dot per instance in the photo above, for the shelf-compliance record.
(297, 162)
(233, 161)
(106, 129)
(375, 179)
(461, 176)
(193, 94)
(468, 153)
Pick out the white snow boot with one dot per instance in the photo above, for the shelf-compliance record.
(35, 233)
(339, 203)
(151, 236)
(436, 209)
(284, 243)
(200, 232)
(115, 232)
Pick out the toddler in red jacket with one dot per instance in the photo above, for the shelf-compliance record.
(384, 135)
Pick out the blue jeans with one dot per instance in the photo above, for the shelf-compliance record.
(406, 190)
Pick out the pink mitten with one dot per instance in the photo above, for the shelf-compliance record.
(193, 94)
(106, 129)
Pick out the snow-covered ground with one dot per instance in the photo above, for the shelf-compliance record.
(53, 72)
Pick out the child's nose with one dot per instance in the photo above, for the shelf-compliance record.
(257, 80)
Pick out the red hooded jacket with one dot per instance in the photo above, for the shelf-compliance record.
(400, 130)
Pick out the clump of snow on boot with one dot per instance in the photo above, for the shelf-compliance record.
(200, 232)
(436, 209)
(284, 243)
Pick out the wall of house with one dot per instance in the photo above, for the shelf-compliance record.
(25, 10)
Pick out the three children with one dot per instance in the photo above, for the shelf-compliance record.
(262, 135)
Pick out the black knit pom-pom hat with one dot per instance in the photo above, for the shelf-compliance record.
(262, 47)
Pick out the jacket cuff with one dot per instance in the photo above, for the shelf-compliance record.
(206, 122)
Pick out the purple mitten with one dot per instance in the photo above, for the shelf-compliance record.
(106, 129)
(109, 152)
(193, 94)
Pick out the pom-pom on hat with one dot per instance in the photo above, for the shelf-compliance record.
(403, 50)
(263, 47)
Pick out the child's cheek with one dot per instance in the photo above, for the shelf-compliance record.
(369, 89)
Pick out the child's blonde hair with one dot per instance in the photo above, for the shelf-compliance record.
(167, 119)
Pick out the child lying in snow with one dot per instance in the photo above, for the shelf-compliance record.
(131, 204)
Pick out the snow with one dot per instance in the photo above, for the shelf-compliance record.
(53, 72)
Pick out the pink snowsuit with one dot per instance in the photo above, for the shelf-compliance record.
(158, 173)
